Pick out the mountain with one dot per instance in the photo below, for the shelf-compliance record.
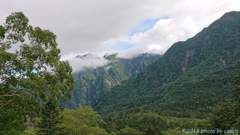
(190, 78)
(87, 56)
(110, 56)
(90, 82)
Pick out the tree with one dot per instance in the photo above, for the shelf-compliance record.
(51, 119)
(236, 86)
(223, 116)
(129, 131)
(236, 98)
(82, 121)
(24, 78)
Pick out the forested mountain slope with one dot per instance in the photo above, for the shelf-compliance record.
(90, 82)
(183, 69)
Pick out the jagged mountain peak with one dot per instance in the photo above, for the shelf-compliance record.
(88, 56)
(146, 54)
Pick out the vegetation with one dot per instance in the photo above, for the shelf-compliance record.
(50, 120)
(138, 121)
(90, 82)
(188, 81)
(192, 89)
(225, 116)
(24, 80)
(82, 121)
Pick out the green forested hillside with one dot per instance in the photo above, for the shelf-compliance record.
(190, 79)
(90, 82)
(147, 122)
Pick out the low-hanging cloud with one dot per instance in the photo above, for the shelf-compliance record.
(79, 64)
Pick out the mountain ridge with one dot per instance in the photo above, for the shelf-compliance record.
(214, 48)
(87, 56)
(90, 82)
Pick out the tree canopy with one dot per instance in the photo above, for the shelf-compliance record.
(25, 78)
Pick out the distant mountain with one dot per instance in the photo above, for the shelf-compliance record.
(90, 82)
(188, 81)
(110, 56)
(87, 56)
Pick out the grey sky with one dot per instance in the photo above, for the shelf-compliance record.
(86, 26)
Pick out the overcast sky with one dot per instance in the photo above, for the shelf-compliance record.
(129, 26)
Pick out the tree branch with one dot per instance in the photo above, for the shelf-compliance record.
(10, 101)
(11, 95)
(10, 91)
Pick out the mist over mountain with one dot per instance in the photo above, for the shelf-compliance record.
(87, 56)
(91, 81)
(94, 60)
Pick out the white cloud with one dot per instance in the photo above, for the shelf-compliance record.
(184, 23)
(85, 26)
(130, 53)
(78, 64)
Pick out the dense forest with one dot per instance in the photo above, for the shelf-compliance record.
(194, 88)
(189, 80)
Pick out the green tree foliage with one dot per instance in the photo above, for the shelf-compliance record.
(51, 119)
(225, 115)
(24, 79)
(236, 98)
(136, 121)
(197, 97)
(28, 132)
(221, 119)
(82, 121)
(129, 131)
(177, 131)
(146, 121)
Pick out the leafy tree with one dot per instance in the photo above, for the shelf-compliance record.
(24, 78)
(28, 132)
(236, 98)
(236, 86)
(222, 117)
(82, 121)
(50, 120)
(129, 131)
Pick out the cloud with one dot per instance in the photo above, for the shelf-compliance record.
(79, 64)
(164, 33)
(86, 26)
(145, 25)
(181, 24)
